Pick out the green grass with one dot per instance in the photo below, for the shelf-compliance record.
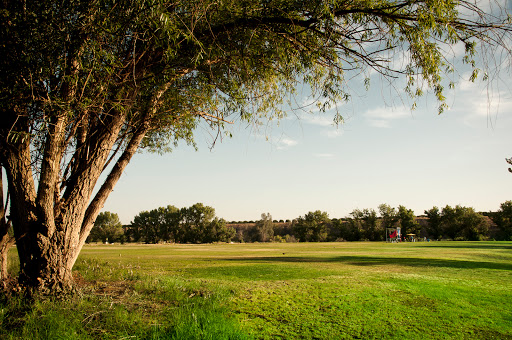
(435, 290)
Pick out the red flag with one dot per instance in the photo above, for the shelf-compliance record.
(393, 234)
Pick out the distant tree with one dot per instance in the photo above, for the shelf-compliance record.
(313, 227)
(195, 224)
(503, 220)
(218, 231)
(170, 222)
(348, 230)
(335, 231)
(195, 221)
(239, 235)
(388, 216)
(107, 228)
(451, 223)
(463, 223)
(368, 224)
(435, 226)
(398, 217)
(509, 161)
(147, 226)
(134, 231)
(407, 221)
(283, 229)
(265, 228)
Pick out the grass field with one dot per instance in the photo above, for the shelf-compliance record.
(435, 290)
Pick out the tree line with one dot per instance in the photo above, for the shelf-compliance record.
(199, 224)
(195, 224)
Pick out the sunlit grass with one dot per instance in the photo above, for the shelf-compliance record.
(433, 290)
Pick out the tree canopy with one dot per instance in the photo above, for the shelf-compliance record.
(85, 83)
(312, 227)
(503, 220)
(195, 224)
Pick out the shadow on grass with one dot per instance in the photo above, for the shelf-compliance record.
(476, 245)
(376, 261)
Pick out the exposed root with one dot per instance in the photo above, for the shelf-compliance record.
(10, 286)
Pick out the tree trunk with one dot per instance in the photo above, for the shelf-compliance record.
(6, 242)
(52, 223)
(48, 249)
(45, 265)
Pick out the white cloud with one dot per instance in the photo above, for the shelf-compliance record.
(481, 107)
(453, 51)
(333, 133)
(285, 143)
(382, 116)
(379, 123)
(317, 120)
(477, 100)
(387, 113)
(466, 85)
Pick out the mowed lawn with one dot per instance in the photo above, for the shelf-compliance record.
(423, 290)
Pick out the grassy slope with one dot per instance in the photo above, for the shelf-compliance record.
(432, 290)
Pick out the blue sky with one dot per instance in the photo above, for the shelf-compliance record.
(383, 153)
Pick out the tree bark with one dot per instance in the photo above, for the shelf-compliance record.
(6, 239)
(51, 230)
(6, 242)
(47, 225)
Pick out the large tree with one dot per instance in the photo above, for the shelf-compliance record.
(85, 83)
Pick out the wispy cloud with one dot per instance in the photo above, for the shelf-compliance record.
(387, 113)
(333, 133)
(477, 100)
(379, 123)
(285, 143)
(317, 119)
(381, 117)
